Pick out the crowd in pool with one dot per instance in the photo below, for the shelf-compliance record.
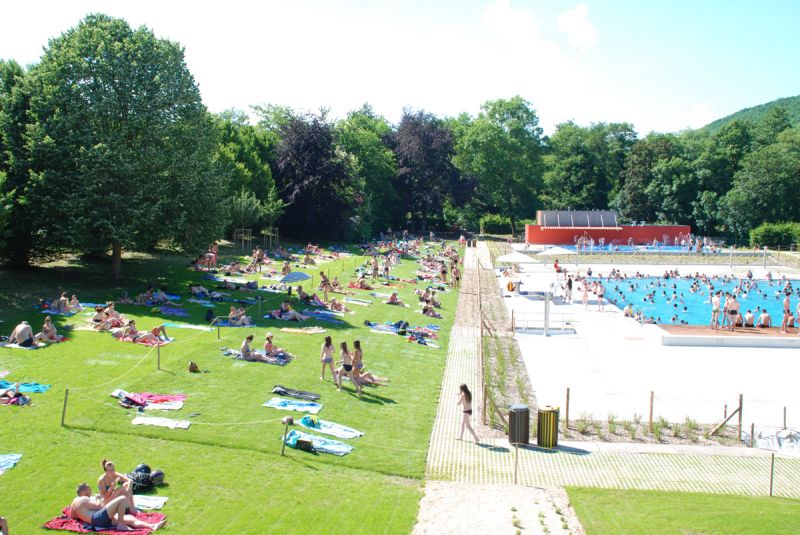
(684, 242)
(681, 299)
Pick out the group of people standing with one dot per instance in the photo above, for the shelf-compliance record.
(350, 364)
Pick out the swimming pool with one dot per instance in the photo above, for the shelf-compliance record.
(672, 295)
(608, 248)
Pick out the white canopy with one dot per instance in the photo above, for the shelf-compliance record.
(515, 258)
(555, 251)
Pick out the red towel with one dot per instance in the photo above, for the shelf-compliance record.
(65, 523)
(162, 398)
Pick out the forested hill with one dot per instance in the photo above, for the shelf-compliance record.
(754, 114)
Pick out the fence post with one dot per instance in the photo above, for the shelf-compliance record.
(731, 258)
(64, 410)
(652, 396)
(158, 350)
(739, 427)
(771, 472)
(752, 434)
(566, 416)
(765, 257)
(513, 322)
(784, 418)
(516, 465)
(547, 314)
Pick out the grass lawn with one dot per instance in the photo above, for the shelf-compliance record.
(225, 472)
(603, 511)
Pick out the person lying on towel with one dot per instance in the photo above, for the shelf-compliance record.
(143, 337)
(309, 299)
(286, 312)
(89, 510)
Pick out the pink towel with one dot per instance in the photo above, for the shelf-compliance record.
(65, 523)
(162, 398)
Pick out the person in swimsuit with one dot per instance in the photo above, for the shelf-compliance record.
(143, 337)
(49, 334)
(22, 335)
(394, 300)
(733, 312)
(112, 485)
(465, 400)
(715, 311)
(358, 364)
(270, 349)
(347, 367)
(787, 312)
(326, 357)
(90, 510)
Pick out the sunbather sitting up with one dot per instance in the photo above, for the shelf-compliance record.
(22, 335)
(161, 298)
(429, 311)
(270, 349)
(238, 318)
(49, 334)
(394, 300)
(90, 510)
(337, 306)
(286, 312)
(286, 269)
(307, 260)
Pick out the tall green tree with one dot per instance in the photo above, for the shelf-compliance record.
(503, 148)
(362, 134)
(120, 143)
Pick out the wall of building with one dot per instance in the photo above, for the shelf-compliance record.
(535, 234)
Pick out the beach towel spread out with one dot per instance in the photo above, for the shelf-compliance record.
(26, 388)
(161, 341)
(188, 326)
(359, 302)
(54, 313)
(292, 393)
(323, 315)
(321, 444)
(226, 323)
(294, 405)
(173, 311)
(329, 428)
(149, 502)
(4, 373)
(92, 305)
(202, 302)
(65, 523)
(17, 346)
(161, 422)
(149, 401)
(303, 330)
(281, 359)
(8, 460)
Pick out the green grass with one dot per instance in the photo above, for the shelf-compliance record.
(631, 512)
(225, 472)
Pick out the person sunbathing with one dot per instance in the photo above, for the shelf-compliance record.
(286, 312)
(142, 337)
(286, 269)
(146, 297)
(161, 298)
(22, 335)
(237, 318)
(63, 303)
(112, 485)
(14, 397)
(362, 282)
(336, 286)
(90, 510)
(249, 354)
(394, 300)
(764, 320)
(307, 260)
(369, 378)
(125, 299)
(428, 310)
(75, 304)
(270, 349)
(337, 306)
(48, 335)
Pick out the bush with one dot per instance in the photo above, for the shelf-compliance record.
(775, 235)
(495, 224)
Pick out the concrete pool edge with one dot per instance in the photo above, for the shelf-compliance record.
(710, 340)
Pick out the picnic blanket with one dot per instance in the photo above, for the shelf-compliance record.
(202, 302)
(8, 460)
(149, 401)
(303, 330)
(161, 422)
(161, 341)
(323, 315)
(294, 405)
(292, 393)
(329, 428)
(174, 311)
(65, 523)
(17, 346)
(281, 359)
(26, 388)
(226, 323)
(149, 502)
(188, 326)
(321, 444)
(359, 302)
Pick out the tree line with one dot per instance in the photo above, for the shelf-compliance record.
(105, 145)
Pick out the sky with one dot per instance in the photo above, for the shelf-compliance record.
(662, 65)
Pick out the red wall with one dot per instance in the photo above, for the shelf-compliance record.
(641, 234)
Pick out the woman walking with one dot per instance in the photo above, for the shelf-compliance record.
(326, 357)
(465, 400)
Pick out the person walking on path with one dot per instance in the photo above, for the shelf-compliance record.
(465, 400)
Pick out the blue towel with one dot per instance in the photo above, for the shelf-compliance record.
(172, 297)
(35, 388)
(54, 313)
(322, 444)
(8, 460)
(294, 405)
(187, 326)
(225, 323)
(330, 428)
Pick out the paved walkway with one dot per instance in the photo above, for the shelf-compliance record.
(680, 468)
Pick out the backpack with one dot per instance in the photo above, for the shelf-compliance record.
(209, 315)
(193, 367)
(140, 481)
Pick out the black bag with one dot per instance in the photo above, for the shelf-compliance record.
(305, 445)
(293, 393)
(140, 481)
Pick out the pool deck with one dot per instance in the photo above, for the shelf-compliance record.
(701, 335)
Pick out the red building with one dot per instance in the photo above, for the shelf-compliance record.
(559, 227)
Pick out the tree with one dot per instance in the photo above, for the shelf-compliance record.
(362, 136)
(120, 143)
(425, 172)
(503, 148)
(313, 178)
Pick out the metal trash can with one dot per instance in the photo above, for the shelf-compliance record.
(547, 427)
(519, 422)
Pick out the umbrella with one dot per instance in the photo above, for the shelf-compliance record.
(516, 258)
(296, 276)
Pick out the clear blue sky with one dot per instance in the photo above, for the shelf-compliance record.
(661, 65)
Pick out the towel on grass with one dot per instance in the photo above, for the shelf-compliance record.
(321, 444)
(17, 346)
(173, 311)
(161, 422)
(8, 460)
(188, 326)
(149, 502)
(359, 302)
(4, 373)
(281, 359)
(226, 323)
(152, 402)
(303, 330)
(293, 393)
(294, 405)
(329, 428)
(26, 388)
(65, 523)
(161, 342)
(54, 313)
(323, 315)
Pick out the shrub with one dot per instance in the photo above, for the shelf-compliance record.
(775, 235)
(495, 224)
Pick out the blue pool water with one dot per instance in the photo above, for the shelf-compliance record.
(698, 305)
(607, 248)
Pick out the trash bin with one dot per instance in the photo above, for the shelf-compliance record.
(547, 427)
(519, 424)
